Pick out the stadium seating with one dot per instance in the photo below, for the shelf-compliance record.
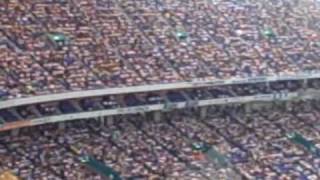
(56, 46)
(116, 43)
(256, 144)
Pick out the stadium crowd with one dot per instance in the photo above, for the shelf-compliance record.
(53, 46)
(139, 147)
(56, 46)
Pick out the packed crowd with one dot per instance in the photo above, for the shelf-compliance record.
(140, 147)
(58, 45)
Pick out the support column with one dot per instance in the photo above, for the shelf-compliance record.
(248, 107)
(61, 126)
(305, 83)
(288, 105)
(120, 99)
(157, 116)
(203, 112)
(268, 85)
(15, 132)
(102, 121)
(110, 120)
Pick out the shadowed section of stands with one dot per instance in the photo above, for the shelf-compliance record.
(308, 145)
(99, 167)
(211, 154)
(221, 162)
(218, 159)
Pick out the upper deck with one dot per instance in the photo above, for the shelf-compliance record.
(117, 46)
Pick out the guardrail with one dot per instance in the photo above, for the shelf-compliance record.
(157, 107)
(155, 87)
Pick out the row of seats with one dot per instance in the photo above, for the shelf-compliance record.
(117, 43)
(139, 147)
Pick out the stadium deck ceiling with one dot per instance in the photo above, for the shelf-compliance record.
(106, 106)
(68, 50)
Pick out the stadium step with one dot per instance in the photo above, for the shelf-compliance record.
(302, 141)
(173, 153)
(99, 167)
(93, 130)
(11, 44)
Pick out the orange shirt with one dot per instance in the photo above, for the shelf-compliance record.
(8, 176)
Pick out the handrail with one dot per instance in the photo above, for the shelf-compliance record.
(148, 88)
(156, 107)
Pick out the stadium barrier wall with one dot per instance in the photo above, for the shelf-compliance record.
(157, 107)
(148, 88)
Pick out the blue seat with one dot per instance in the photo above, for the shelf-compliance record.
(131, 100)
(175, 97)
(7, 116)
(66, 107)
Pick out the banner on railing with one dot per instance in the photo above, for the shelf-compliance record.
(158, 107)
(168, 106)
(200, 83)
(192, 103)
(139, 109)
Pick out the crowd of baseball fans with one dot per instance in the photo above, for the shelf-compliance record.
(51, 46)
(140, 147)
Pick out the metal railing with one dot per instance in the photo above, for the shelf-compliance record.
(149, 88)
(161, 107)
